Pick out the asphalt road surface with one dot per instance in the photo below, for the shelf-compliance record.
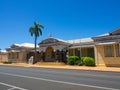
(33, 78)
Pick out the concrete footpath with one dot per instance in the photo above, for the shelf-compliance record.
(97, 68)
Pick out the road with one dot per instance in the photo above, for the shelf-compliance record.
(33, 78)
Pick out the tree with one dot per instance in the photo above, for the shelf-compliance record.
(36, 31)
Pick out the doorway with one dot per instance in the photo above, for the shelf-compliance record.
(49, 54)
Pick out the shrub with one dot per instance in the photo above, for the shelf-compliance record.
(79, 63)
(7, 62)
(88, 61)
(72, 60)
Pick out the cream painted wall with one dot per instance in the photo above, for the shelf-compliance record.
(99, 55)
(107, 61)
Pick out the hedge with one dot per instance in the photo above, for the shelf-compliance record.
(72, 60)
(88, 61)
(79, 63)
(7, 62)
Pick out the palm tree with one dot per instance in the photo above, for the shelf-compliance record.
(36, 31)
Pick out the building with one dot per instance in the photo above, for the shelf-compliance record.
(105, 49)
(82, 47)
(53, 49)
(18, 52)
(3, 56)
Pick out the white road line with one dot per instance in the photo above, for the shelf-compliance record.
(56, 81)
(12, 86)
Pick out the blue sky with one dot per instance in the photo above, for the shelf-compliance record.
(64, 19)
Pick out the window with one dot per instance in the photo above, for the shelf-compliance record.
(12, 55)
(109, 52)
(117, 48)
(9, 56)
(17, 55)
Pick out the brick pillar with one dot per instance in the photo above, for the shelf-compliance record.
(60, 56)
(55, 56)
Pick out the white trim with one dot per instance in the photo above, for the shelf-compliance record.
(107, 43)
(84, 46)
(14, 51)
(12, 86)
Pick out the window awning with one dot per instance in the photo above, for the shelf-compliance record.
(83, 46)
(106, 43)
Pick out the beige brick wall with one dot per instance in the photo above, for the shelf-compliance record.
(21, 57)
(3, 57)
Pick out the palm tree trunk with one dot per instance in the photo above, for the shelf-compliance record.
(35, 58)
